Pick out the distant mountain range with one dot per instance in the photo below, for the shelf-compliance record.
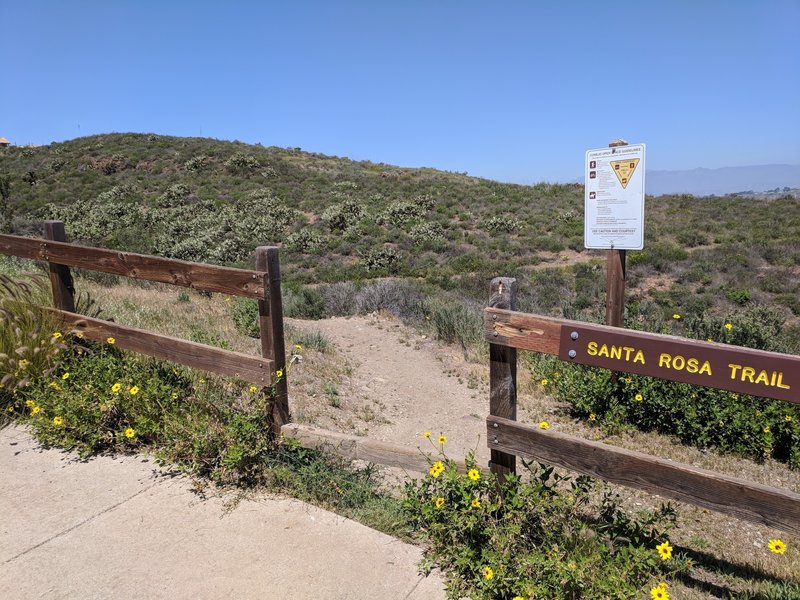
(727, 180)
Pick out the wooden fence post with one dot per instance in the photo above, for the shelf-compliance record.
(502, 375)
(270, 320)
(60, 276)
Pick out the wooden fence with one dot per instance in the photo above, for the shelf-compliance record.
(262, 284)
(766, 374)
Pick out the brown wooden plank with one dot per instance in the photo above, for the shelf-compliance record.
(522, 330)
(771, 374)
(360, 448)
(60, 276)
(503, 373)
(211, 278)
(270, 313)
(737, 497)
(254, 369)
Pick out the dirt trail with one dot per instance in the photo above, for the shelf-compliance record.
(412, 384)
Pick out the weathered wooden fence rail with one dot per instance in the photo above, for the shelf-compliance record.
(262, 284)
(745, 370)
(749, 371)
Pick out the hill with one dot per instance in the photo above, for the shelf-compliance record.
(728, 180)
(340, 220)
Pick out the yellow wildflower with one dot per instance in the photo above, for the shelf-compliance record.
(298, 347)
(57, 421)
(426, 435)
(593, 417)
(474, 474)
(130, 432)
(676, 316)
(436, 469)
(30, 403)
(56, 334)
(35, 410)
(279, 373)
(65, 376)
(253, 389)
(442, 440)
(518, 598)
(664, 550)
(659, 593)
(788, 418)
(134, 390)
(439, 502)
(174, 395)
(777, 546)
(488, 573)
(766, 429)
(544, 425)
(24, 363)
(54, 385)
(475, 503)
(111, 340)
(116, 388)
(638, 397)
(544, 381)
(728, 326)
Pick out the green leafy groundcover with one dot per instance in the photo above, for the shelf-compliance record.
(100, 399)
(752, 427)
(546, 537)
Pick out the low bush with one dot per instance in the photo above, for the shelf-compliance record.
(385, 260)
(546, 536)
(748, 426)
(303, 302)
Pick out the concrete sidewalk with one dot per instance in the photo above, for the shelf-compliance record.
(120, 528)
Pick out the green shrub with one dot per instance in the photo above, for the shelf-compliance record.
(457, 322)
(661, 256)
(303, 302)
(748, 426)
(502, 224)
(313, 339)
(545, 537)
(342, 216)
(196, 163)
(244, 313)
(242, 164)
(401, 212)
(306, 240)
(385, 259)
(431, 234)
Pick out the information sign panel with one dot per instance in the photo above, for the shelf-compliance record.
(614, 201)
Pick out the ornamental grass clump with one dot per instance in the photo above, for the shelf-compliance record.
(30, 340)
(541, 536)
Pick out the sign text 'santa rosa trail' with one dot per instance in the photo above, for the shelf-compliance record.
(701, 363)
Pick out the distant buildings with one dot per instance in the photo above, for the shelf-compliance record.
(4, 143)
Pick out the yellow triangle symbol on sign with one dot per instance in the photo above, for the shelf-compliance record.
(624, 169)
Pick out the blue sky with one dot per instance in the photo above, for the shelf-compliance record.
(514, 91)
